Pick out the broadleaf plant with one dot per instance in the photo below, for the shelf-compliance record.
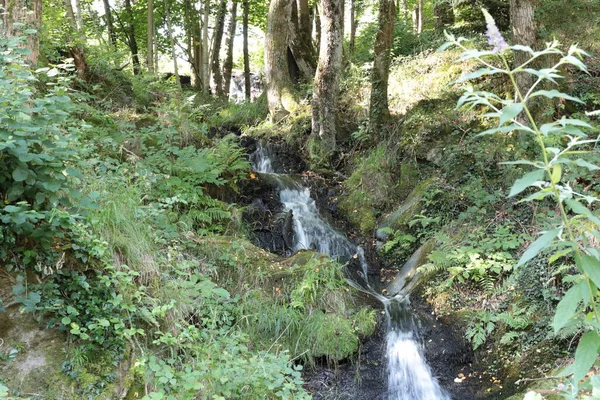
(576, 228)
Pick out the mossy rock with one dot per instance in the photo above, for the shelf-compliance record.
(407, 210)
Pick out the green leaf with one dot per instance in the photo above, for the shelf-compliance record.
(103, 322)
(567, 306)
(585, 355)
(541, 243)
(551, 94)
(527, 180)
(65, 321)
(20, 174)
(580, 209)
(556, 173)
(586, 164)
(590, 266)
(510, 112)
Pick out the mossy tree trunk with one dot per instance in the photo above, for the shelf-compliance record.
(76, 45)
(150, 36)
(228, 64)
(205, 52)
(300, 41)
(216, 49)
(108, 19)
(280, 92)
(325, 91)
(378, 107)
(13, 13)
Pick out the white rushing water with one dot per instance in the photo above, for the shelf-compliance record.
(409, 376)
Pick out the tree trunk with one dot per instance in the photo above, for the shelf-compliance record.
(133, 47)
(205, 52)
(150, 39)
(300, 41)
(420, 18)
(524, 32)
(378, 108)
(112, 36)
(443, 15)
(247, 86)
(405, 11)
(228, 64)
(172, 42)
(197, 63)
(324, 106)
(75, 49)
(317, 25)
(280, 95)
(353, 23)
(79, 16)
(216, 50)
(13, 13)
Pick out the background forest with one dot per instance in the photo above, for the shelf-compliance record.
(131, 258)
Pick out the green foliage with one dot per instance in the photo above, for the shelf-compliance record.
(575, 231)
(36, 158)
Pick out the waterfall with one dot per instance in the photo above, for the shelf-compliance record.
(409, 376)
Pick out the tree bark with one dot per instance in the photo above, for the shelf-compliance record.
(420, 18)
(132, 42)
(247, 85)
(524, 30)
(300, 41)
(112, 36)
(205, 52)
(280, 94)
(29, 13)
(150, 39)
(324, 106)
(317, 25)
(75, 48)
(172, 42)
(353, 23)
(378, 107)
(228, 64)
(216, 50)
(79, 16)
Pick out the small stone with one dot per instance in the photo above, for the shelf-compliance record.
(458, 380)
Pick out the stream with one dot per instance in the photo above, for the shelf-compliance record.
(408, 375)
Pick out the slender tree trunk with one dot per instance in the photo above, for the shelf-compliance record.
(280, 94)
(112, 36)
(300, 41)
(133, 47)
(79, 16)
(405, 11)
(75, 46)
(197, 56)
(228, 64)
(247, 85)
(317, 25)
(150, 39)
(13, 13)
(353, 23)
(216, 50)
(420, 16)
(324, 106)
(524, 30)
(172, 41)
(205, 49)
(378, 108)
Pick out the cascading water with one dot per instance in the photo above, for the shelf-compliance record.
(409, 376)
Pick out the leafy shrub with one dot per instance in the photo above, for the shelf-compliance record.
(36, 158)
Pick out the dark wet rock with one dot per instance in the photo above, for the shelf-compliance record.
(285, 157)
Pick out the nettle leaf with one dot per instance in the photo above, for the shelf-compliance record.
(551, 94)
(510, 112)
(545, 73)
(529, 179)
(567, 306)
(585, 355)
(541, 243)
